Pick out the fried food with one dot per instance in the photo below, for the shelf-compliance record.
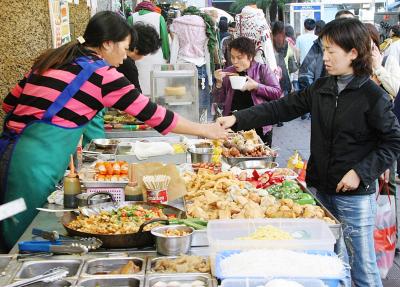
(183, 264)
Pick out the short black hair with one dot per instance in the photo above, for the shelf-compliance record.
(309, 24)
(348, 34)
(319, 25)
(289, 32)
(148, 40)
(244, 45)
(343, 12)
(396, 30)
(278, 28)
(232, 25)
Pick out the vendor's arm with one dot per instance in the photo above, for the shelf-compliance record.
(382, 119)
(11, 100)
(269, 113)
(164, 38)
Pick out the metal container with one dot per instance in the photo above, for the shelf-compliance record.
(105, 265)
(111, 281)
(4, 261)
(234, 161)
(59, 283)
(34, 268)
(257, 164)
(200, 154)
(172, 245)
(86, 199)
(151, 280)
(151, 262)
(105, 143)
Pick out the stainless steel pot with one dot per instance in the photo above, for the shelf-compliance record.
(172, 245)
(86, 199)
(199, 155)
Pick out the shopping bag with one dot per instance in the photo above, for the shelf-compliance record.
(385, 230)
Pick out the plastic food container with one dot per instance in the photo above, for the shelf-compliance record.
(309, 234)
(328, 281)
(254, 282)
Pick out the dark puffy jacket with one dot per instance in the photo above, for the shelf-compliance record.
(355, 129)
(313, 66)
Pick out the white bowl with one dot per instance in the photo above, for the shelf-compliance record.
(237, 82)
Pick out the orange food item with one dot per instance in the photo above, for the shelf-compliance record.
(102, 169)
(116, 168)
(124, 168)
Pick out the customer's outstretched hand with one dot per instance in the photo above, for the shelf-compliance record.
(214, 131)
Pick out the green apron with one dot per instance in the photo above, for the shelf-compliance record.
(37, 158)
(94, 129)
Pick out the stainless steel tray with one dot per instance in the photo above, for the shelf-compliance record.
(36, 267)
(92, 266)
(104, 184)
(257, 164)
(132, 281)
(4, 261)
(233, 161)
(207, 279)
(152, 261)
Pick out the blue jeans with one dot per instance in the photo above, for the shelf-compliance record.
(204, 92)
(357, 215)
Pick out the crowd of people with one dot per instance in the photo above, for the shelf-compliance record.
(338, 74)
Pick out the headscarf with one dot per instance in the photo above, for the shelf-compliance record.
(147, 5)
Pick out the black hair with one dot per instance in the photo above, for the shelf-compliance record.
(348, 34)
(396, 30)
(319, 25)
(243, 45)
(278, 27)
(232, 25)
(289, 32)
(134, 39)
(102, 27)
(309, 24)
(343, 12)
(223, 26)
(148, 41)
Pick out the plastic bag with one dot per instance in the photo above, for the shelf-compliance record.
(385, 230)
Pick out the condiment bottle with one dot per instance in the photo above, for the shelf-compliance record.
(72, 187)
(133, 192)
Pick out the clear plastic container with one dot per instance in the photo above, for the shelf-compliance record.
(309, 234)
(255, 282)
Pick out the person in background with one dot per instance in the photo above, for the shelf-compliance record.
(147, 42)
(284, 54)
(319, 25)
(149, 13)
(291, 39)
(49, 108)
(261, 86)
(312, 67)
(225, 45)
(346, 159)
(391, 46)
(223, 28)
(251, 23)
(305, 41)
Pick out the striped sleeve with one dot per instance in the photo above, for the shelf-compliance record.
(119, 93)
(11, 100)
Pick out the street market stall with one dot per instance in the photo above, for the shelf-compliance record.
(217, 223)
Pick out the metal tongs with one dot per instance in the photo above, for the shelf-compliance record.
(48, 276)
(51, 247)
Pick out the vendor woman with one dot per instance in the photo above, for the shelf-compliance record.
(355, 137)
(49, 108)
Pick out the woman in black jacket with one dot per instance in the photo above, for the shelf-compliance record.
(355, 137)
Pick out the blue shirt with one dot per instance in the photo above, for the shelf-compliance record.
(304, 43)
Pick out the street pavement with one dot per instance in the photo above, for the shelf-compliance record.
(295, 135)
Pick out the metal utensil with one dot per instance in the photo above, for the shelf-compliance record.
(105, 143)
(172, 245)
(51, 247)
(48, 276)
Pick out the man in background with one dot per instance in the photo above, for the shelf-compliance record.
(306, 40)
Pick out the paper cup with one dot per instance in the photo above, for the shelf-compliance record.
(157, 196)
(237, 82)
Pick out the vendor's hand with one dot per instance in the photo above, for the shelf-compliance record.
(226, 122)
(250, 85)
(214, 131)
(376, 57)
(350, 181)
(385, 176)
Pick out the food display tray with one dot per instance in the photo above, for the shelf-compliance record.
(233, 161)
(151, 261)
(180, 277)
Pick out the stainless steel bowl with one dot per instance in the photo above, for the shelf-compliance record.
(105, 143)
(200, 154)
(257, 164)
(86, 199)
(172, 245)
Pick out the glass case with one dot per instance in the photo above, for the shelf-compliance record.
(176, 88)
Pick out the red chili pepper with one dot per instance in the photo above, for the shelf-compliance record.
(255, 174)
(171, 216)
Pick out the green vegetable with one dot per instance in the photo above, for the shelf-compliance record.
(196, 223)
